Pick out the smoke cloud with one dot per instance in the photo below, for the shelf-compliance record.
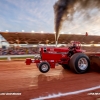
(65, 10)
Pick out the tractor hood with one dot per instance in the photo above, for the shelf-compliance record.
(54, 49)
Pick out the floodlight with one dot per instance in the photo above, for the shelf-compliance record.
(23, 31)
(7, 30)
(42, 32)
(32, 31)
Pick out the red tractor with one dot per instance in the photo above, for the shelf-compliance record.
(72, 57)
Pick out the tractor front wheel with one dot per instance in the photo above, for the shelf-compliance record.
(44, 67)
(79, 63)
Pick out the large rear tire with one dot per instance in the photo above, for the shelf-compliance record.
(79, 63)
(44, 67)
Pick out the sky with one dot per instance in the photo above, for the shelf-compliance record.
(27, 15)
(84, 21)
(38, 15)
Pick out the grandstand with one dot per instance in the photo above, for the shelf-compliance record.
(36, 38)
(20, 43)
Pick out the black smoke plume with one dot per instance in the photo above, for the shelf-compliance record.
(64, 10)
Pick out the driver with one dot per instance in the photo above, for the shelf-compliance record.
(72, 48)
(73, 45)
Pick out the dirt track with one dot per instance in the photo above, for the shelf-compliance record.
(16, 77)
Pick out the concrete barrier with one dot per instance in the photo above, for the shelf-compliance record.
(14, 56)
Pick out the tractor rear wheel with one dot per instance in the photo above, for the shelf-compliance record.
(65, 66)
(44, 67)
(79, 63)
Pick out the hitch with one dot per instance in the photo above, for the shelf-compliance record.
(28, 61)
